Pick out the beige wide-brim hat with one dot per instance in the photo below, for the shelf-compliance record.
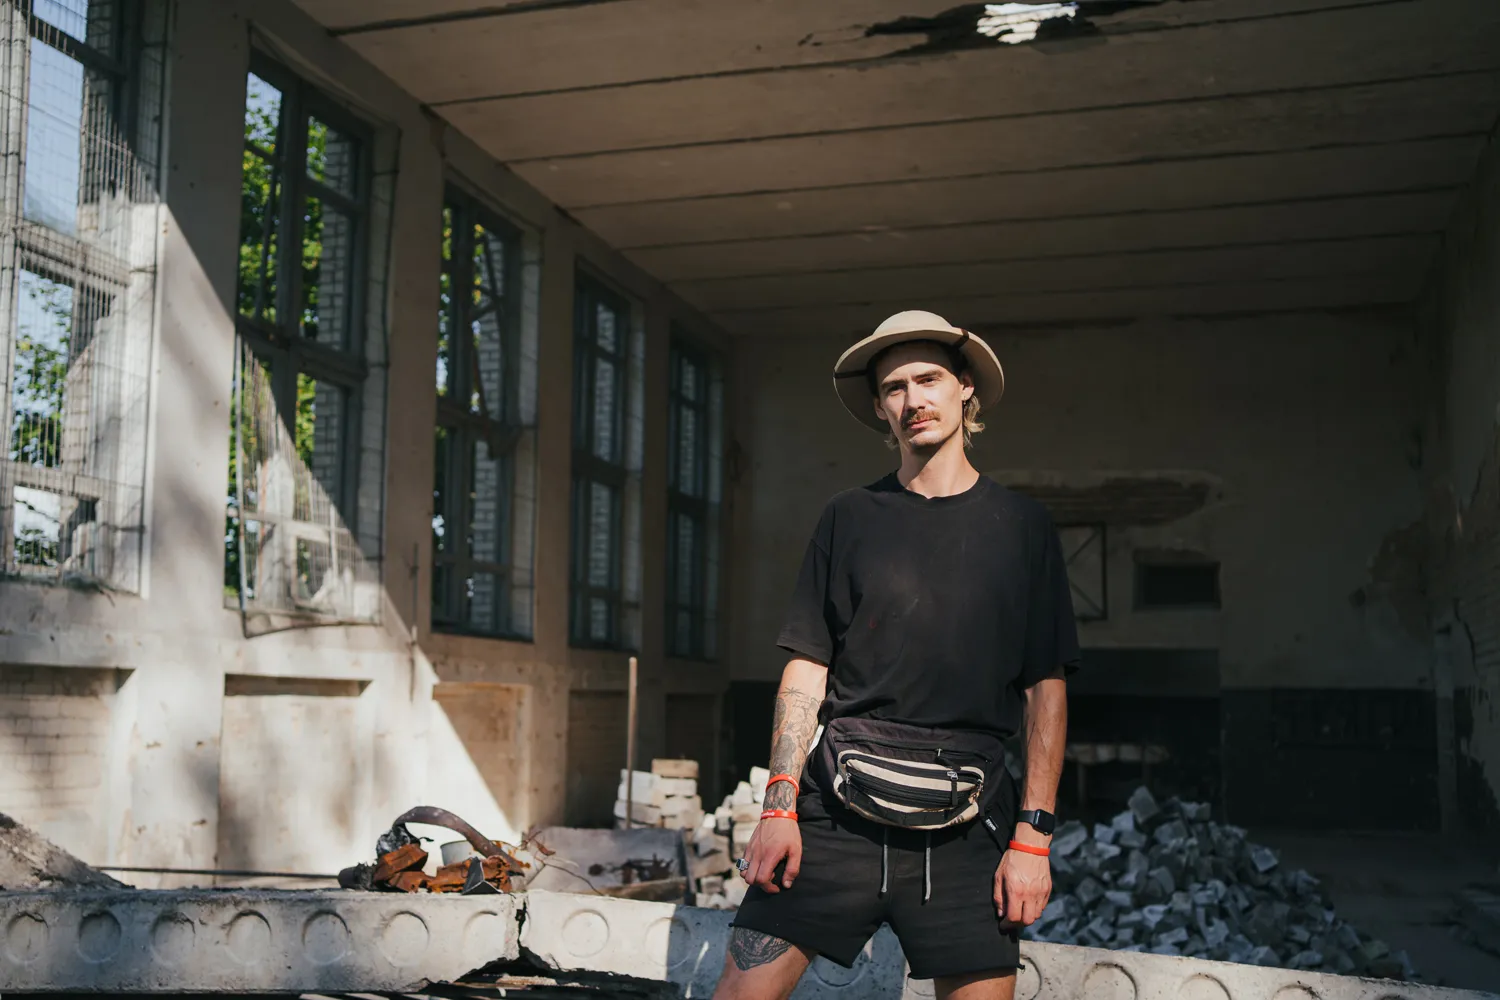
(853, 387)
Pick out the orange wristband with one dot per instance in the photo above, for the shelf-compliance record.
(1041, 852)
(778, 814)
(796, 787)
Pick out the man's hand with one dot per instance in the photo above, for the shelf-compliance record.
(1023, 884)
(773, 840)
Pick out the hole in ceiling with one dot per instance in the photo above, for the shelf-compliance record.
(980, 25)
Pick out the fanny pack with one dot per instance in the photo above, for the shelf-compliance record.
(909, 776)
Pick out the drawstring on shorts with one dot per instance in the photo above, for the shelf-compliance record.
(927, 869)
(885, 858)
(885, 863)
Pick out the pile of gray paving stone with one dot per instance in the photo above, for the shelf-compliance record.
(1164, 878)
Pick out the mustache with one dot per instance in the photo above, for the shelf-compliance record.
(919, 415)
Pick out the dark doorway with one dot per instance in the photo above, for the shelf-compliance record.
(749, 711)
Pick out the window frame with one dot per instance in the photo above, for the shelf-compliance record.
(588, 469)
(467, 429)
(91, 270)
(698, 506)
(281, 344)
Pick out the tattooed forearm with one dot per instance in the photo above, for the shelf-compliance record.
(791, 735)
(752, 948)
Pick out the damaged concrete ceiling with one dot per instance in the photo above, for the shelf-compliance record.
(794, 167)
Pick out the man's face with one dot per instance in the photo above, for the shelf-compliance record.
(918, 395)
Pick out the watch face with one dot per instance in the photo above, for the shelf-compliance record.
(1040, 820)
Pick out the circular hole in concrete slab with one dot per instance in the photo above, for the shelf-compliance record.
(26, 938)
(1108, 982)
(1029, 980)
(585, 933)
(1296, 991)
(1202, 988)
(404, 939)
(485, 936)
(98, 937)
(325, 938)
(249, 938)
(172, 937)
(669, 938)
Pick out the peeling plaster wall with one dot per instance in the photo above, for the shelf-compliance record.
(183, 788)
(1461, 319)
(1303, 423)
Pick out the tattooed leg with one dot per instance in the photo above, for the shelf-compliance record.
(750, 949)
(760, 967)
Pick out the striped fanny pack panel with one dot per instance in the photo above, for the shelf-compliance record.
(913, 794)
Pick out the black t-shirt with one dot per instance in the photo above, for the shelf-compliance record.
(934, 612)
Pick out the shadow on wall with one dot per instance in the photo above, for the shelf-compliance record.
(479, 738)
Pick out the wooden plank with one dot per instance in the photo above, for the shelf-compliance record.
(1030, 240)
(1394, 112)
(1318, 50)
(1397, 256)
(1088, 191)
(607, 44)
(1061, 307)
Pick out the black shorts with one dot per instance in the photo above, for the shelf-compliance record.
(836, 904)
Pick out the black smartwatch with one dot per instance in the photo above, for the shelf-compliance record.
(1041, 820)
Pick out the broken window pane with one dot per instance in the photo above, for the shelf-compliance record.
(327, 261)
(332, 157)
(54, 128)
(488, 327)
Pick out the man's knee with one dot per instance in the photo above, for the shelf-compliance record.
(759, 966)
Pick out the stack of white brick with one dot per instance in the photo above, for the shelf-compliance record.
(729, 828)
(666, 796)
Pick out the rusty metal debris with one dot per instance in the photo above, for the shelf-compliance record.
(401, 860)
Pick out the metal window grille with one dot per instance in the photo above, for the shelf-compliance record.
(1084, 555)
(695, 475)
(607, 444)
(484, 487)
(80, 97)
(291, 553)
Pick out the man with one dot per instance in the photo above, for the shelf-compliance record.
(934, 602)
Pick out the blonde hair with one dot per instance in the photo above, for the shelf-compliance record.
(972, 425)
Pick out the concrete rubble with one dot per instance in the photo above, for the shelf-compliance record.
(1165, 878)
(29, 861)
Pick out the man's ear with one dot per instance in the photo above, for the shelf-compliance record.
(968, 386)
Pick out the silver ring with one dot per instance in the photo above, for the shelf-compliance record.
(743, 864)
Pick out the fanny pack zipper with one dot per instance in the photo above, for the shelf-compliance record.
(906, 794)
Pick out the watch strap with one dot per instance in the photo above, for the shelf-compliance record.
(1039, 819)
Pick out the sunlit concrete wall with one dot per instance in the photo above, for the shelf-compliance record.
(291, 751)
